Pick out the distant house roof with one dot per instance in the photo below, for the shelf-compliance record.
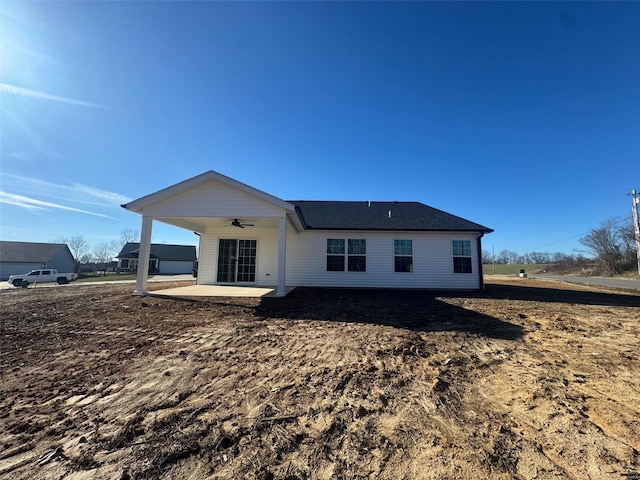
(30, 252)
(180, 253)
(336, 215)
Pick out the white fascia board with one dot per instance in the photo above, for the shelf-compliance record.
(138, 204)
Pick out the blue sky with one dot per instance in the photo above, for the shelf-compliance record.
(524, 117)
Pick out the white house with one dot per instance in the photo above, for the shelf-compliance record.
(249, 237)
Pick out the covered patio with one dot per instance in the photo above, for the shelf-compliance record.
(241, 262)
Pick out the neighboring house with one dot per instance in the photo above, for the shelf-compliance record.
(248, 237)
(17, 258)
(163, 259)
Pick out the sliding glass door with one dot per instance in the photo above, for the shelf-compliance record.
(237, 260)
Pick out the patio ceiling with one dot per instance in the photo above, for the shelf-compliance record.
(209, 224)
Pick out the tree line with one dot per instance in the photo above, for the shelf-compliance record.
(612, 246)
(100, 254)
(506, 257)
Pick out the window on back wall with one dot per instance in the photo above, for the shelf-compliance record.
(354, 254)
(461, 256)
(357, 251)
(335, 255)
(403, 255)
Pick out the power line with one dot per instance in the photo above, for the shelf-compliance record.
(635, 199)
(559, 241)
(574, 236)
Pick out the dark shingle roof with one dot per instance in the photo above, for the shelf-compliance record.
(180, 253)
(335, 215)
(29, 252)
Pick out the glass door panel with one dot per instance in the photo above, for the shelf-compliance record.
(227, 260)
(247, 260)
(237, 260)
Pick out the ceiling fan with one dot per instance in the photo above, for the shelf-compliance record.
(237, 223)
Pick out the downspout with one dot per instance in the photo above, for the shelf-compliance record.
(480, 272)
(196, 264)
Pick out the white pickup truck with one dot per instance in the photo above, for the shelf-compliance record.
(45, 275)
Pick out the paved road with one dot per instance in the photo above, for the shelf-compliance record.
(603, 281)
(157, 278)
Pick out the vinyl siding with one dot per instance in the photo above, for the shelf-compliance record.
(62, 261)
(213, 199)
(432, 261)
(8, 268)
(306, 259)
(267, 254)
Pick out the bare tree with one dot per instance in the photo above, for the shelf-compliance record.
(627, 234)
(129, 235)
(502, 257)
(104, 252)
(607, 246)
(487, 257)
(538, 257)
(86, 258)
(513, 257)
(79, 248)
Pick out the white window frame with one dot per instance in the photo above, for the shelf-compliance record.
(395, 255)
(346, 254)
(456, 253)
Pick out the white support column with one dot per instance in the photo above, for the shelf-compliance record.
(143, 256)
(282, 256)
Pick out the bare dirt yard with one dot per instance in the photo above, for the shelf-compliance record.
(526, 380)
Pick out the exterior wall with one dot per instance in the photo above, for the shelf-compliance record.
(62, 261)
(306, 259)
(9, 268)
(432, 261)
(213, 199)
(267, 255)
(172, 267)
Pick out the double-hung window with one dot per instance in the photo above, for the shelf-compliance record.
(352, 252)
(335, 255)
(403, 255)
(461, 256)
(356, 258)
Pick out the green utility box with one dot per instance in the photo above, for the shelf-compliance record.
(522, 273)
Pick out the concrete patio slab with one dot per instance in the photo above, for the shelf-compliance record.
(218, 291)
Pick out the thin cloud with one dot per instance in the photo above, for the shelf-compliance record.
(18, 203)
(34, 204)
(76, 192)
(24, 92)
(109, 197)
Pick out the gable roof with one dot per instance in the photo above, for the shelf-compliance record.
(138, 204)
(179, 253)
(30, 252)
(336, 215)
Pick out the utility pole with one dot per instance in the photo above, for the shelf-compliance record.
(635, 199)
(493, 255)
